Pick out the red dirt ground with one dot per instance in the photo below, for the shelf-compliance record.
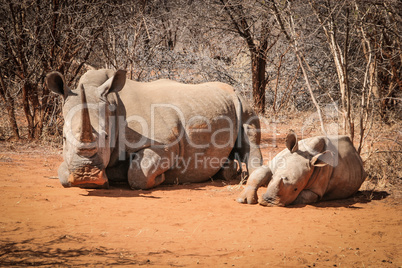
(195, 225)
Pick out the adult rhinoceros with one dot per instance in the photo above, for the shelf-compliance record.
(318, 168)
(148, 133)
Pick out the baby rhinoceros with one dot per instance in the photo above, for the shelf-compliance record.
(313, 169)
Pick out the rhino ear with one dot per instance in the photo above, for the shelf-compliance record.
(323, 159)
(291, 141)
(55, 82)
(114, 84)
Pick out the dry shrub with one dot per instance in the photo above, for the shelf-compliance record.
(385, 165)
(383, 161)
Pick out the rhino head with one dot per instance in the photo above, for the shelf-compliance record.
(87, 140)
(292, 169)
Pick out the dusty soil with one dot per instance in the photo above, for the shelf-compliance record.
(41, 223)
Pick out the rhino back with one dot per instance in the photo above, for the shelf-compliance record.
(348, 173)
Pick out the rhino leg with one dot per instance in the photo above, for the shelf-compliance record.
(306, 197)
(147, 168)
(247, 149)
(252, 136)
(261, 176)
(63, 174)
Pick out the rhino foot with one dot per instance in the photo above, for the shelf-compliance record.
(248, 196)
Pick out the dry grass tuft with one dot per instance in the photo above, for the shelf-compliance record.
(383, 158)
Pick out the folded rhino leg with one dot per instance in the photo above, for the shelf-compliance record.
(260, 176)
(147, 168)
(306, 197)
(229, 171)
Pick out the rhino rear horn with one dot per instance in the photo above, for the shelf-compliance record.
(114, 84)
(323, 159)
(86, 127)
(291, 141)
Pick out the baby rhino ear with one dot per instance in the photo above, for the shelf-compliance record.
(55, 82)
(323, 159)
(291, 141)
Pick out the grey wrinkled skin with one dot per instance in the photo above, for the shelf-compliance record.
(318, 168)
(149, 133)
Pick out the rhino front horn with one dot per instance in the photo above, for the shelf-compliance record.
(86, 135)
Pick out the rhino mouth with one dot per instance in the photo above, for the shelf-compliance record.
(88, 176)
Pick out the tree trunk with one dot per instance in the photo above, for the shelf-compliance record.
(341, 63)
(11, 118)
(9, 102)
(259, 81)
(27, 110)
(32, 111)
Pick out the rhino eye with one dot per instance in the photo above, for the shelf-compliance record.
(295, 189)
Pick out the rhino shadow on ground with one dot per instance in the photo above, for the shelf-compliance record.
(122, 189)
(54, 253)
(361, 197)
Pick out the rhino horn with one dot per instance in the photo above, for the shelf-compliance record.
(86, 128)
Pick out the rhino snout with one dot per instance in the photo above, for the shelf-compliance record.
(88, 177)
(270, 201)
(267, 202)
